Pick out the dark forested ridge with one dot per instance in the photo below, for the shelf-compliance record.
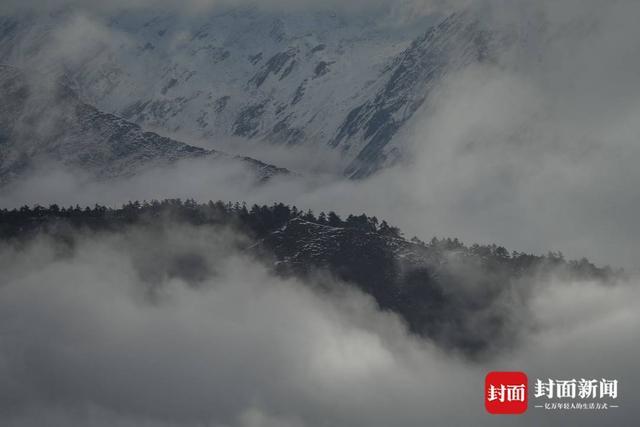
(469, 298)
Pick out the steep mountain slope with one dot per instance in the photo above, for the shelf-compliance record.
(42, 124)
(307, 78)
(455, 42)
(467, 298)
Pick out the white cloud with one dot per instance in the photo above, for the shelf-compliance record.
(89, 338)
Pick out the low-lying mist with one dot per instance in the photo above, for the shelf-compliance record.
(177, 326)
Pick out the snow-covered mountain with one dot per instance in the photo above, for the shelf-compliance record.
(314, 78)
(47, 123)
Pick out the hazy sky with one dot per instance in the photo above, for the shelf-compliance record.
(200, 6)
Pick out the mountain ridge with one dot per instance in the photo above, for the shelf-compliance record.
(41, 124)
(469, 299)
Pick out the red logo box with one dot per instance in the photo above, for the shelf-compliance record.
(506, 392)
